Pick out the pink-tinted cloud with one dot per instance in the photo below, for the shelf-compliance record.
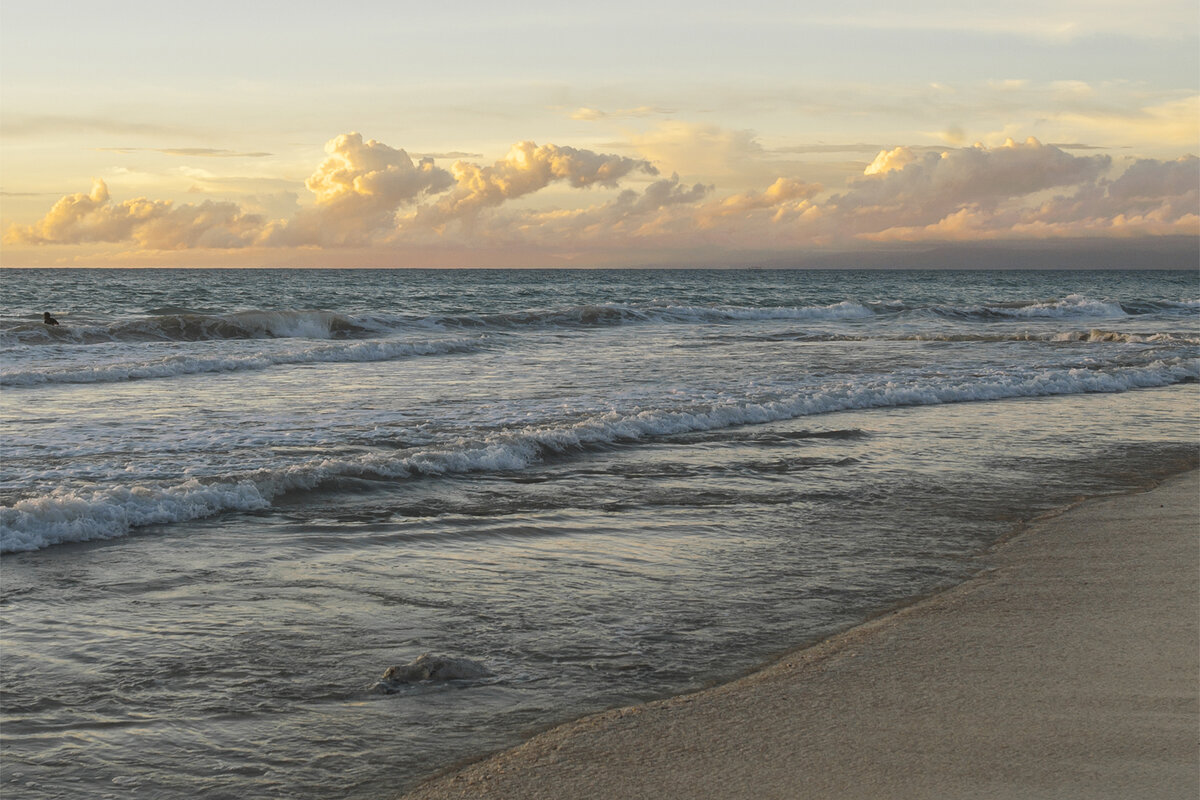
(368, 194)
(909, 187)
(1150, 198)
(666, 213)
(526, 169)
(631, 215)
(156, 224)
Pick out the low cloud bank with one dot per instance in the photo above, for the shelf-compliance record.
(367, 194)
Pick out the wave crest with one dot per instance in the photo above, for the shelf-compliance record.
(185, 326)
(65, 516)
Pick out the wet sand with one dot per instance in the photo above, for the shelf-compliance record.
(1069, 668)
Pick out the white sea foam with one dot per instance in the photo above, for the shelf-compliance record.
(1073, 305)
(1099, 335)
(66, 516)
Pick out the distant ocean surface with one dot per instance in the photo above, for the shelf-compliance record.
(229, 500)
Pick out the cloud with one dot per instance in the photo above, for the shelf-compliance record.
(953, 134)
(753, 218)
(811, 149)
(456, 154)
(200, 152)
(780, 193)
(888, 160)
(704, 150)
(1154, 192)
(632, 214)
(663, 193)
(1150, 181)
(357, 191)
(968, 225)
(1150, 198)
(904, 187)
(367, 194)
(1173, 122)
(738, 161)
(593, 114)
(154, 224)
(1008, 84)
(527, 168)
(367, 175)
(668, 212)
(1076, 146)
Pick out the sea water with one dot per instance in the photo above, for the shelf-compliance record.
(232, 499)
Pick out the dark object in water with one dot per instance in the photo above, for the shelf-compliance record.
(432, 668)
(47, 319)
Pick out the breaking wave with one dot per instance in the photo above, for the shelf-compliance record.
(1071, 306)
(71, 516)
(193, 327)
(185, 326)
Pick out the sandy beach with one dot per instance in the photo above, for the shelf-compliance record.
(1068, 668)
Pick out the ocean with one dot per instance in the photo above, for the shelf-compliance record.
(231, 499)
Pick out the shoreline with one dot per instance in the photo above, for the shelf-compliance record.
(1067, 666)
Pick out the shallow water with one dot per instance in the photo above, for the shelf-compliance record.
(232, 499)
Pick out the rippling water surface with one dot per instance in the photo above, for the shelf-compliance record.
(231, 499)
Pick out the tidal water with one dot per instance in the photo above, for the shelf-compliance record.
(229, 500)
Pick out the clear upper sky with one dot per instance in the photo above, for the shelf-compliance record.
(404, 134)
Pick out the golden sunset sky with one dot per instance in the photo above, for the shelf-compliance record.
(625, 133)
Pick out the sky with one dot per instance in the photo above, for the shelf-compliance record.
(399, 134)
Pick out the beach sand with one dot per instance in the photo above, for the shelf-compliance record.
(1068, 668)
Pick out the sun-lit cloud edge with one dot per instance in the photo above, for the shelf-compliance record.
(374, 203)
